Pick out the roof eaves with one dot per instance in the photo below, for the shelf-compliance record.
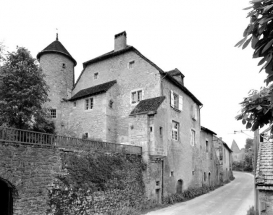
(208, 130)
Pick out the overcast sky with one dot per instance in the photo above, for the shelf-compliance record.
(197, 37)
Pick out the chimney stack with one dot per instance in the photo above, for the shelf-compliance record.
(120, 41)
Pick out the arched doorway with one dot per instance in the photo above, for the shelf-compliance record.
(179, 186)
(6, 200)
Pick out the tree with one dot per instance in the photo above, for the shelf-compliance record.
(257, 107)
(23, 92)
(249, 144)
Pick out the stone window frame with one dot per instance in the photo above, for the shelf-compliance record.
(193, 131)
(132, 102)
(175, 130)
(53, 113)
(89, 103)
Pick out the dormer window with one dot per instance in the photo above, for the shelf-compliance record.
(96, 75)
(131, 64)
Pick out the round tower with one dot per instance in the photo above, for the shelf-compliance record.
(58, 66)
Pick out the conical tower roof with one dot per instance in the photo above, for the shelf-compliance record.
(234, 147)
(56, 47)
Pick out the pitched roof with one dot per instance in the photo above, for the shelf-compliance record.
(175, 72)
(131, 48)
(207, 130)
(101, 88)
(147, 105)
(56, 47)
(234, 147)
(264, 171)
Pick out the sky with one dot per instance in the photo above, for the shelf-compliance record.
(197, 37)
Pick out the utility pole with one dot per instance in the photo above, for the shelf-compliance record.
(256, 146)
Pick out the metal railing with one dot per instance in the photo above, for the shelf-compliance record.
(12, 135)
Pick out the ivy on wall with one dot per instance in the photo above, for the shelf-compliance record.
(97, 183)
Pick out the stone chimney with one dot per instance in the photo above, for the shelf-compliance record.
(120, 41)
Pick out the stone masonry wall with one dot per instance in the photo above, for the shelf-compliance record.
(141, 76)
(60, 80)
(266, 198)
(182, 157)
(30, 170)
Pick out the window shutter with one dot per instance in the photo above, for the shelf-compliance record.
(180, 107)
(172, 99)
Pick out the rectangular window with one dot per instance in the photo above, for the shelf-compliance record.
(160, 131)
(89, 103)
(192, 137)
(207, 146)
(136, 96)
(85, 136)
(176, 101)
(96, 75)
(53, 113)
(86, 104)
(175, 129)
(131, 64)
(75, 104)
(194, 112)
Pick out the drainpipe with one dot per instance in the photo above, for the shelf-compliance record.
(162, 180)
(256, 145)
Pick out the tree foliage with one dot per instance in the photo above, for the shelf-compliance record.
(23, 92)
(257, 107)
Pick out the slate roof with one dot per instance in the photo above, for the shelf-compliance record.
(131, 48)
(56, 47)
(147, 105)
(264, 171)
(175, 72)
(101, 88)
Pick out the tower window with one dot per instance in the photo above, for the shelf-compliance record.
(53, 113)
(63, 66)
(96, 75)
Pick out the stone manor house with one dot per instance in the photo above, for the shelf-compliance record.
(123, 97)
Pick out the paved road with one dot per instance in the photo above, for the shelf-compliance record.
(234, 198)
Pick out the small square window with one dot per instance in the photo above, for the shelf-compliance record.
(131, 64)
(175, 129)
(53, 113)
(85, 136)
(157, 183)
(96, 75)
(75, 104)
(63, 65)
(136, 96)
(192, 172)
(172, 174)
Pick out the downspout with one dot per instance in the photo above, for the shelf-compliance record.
(162, 180)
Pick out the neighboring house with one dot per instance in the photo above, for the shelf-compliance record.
(209, 161)
(238, 155)
(264, 174)
(224, 154)
(264, 178)
(123, 97)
